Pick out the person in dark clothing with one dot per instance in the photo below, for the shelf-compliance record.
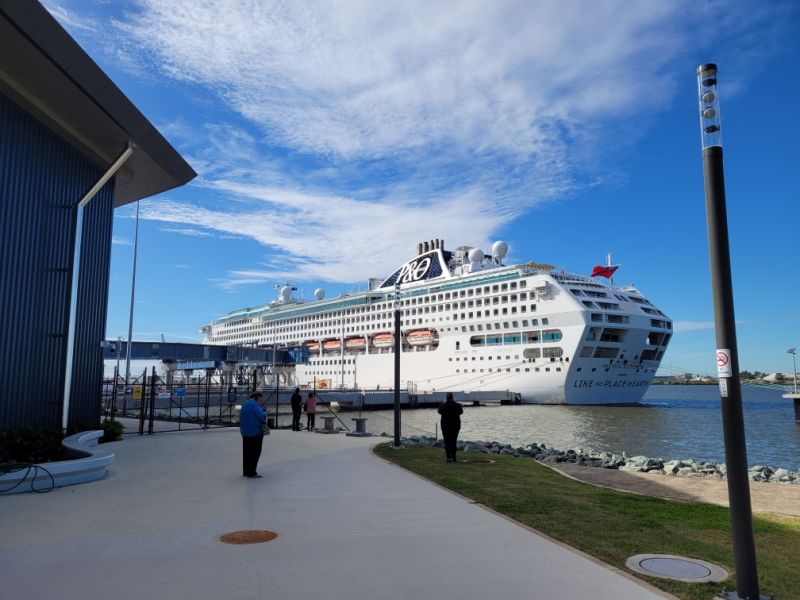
(451, 424)
(251, 425)
(297, 407)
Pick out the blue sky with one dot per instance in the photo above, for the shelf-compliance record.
(330, 137)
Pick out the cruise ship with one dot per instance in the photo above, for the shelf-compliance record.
(469, 323)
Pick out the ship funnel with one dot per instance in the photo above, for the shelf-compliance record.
(419, 248)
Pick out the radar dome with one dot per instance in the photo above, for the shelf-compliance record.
(499, 250)
(476, 255)
(286, 293)
(319, 293)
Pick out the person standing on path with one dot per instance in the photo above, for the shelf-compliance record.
(311, 411)
(251, 425)
(297, 406)
(451, 424)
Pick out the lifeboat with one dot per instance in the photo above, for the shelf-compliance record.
(421, 337)
(312, 345)
(383, 340)
(332, 344)
(355, 343)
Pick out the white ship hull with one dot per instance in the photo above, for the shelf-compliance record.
(540, 334)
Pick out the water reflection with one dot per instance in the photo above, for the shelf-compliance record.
(673, 422)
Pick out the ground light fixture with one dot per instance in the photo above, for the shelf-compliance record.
(744, 552)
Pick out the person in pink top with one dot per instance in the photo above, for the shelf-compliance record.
(311, 411)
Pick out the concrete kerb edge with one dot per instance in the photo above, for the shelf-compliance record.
(615, 489)
(628, 575)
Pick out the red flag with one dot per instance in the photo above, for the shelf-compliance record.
(601, 271)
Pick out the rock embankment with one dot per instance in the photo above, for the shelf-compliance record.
(608, 460)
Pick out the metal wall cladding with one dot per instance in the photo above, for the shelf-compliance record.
(42, 178)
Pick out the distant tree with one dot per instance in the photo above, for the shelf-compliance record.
(746, 375)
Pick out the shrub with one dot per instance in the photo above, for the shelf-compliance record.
(31, 445)
(113, 431)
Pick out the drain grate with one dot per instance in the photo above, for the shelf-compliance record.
(679, 568)
(248, 536)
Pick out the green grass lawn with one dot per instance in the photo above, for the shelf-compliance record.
(614, 525)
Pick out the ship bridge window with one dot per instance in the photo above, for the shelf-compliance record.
(613, 335)
(476, 340)
(589, 304)
(605, 352)
(576, 292)
(621, 319)
(551, 335)
(608, 305)
(597, 317)
(531, 337)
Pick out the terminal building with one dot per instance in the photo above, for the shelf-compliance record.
(72, 149)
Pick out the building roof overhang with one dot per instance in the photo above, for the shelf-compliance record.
(46, 72)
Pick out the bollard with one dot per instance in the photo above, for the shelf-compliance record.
(330, 425)
(361, 427)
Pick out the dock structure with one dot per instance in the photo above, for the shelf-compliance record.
(795, 395)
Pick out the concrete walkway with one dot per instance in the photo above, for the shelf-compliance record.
(774, 498)
(349, 526)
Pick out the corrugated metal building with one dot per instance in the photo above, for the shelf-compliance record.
(63, 123)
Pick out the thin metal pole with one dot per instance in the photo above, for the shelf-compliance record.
(75, 277)
(727, 353)
(133, 292)
(397, 366)
(274, 373)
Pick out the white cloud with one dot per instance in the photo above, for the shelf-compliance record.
(69, 19)
(377, 124)
(187, 231)
(363, 79)
(330, 238)
(118, 241)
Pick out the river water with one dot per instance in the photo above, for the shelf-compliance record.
(674, 421)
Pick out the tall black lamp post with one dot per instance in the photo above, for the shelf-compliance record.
(744, 551)
(397, 346)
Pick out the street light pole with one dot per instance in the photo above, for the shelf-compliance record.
(397, 346)
(744, 551)
(793, 352)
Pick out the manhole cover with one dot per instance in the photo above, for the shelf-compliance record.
(477, 461)
(250, 536)
(680, 568)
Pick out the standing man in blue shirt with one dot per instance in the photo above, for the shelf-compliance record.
(251, 425)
